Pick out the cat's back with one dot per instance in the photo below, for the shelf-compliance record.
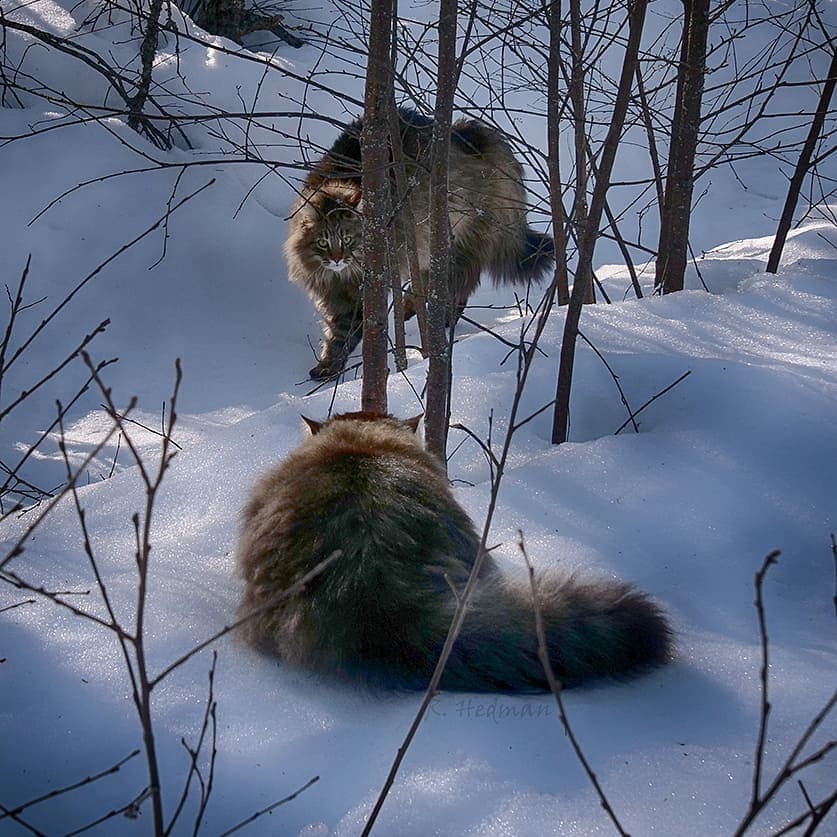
(355, 477)
(363, 489)
(359, 465)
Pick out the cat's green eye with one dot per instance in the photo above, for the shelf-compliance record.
(322, 242)
(348, 239)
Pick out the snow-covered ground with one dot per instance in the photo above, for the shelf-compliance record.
(736, 460)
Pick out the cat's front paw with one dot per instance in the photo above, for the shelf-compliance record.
(325, 369)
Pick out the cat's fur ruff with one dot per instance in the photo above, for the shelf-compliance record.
(487, 211)
(363, 484)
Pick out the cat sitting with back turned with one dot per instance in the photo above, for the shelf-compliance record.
(487, 212)
(363, 484)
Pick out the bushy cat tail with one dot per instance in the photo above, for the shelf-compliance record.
(538, 256)
(531, 259)
(594, 630)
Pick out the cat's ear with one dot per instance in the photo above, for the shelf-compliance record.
(413, 422)
(354, 198)
(314, 426)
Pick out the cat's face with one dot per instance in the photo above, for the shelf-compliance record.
(331, 230)
(337, 237)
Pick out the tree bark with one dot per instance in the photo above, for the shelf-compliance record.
(148, 52)
(398, 194)
(680, 175)
(580, 209)
(439, 311)
(376, 208)
(553, 129)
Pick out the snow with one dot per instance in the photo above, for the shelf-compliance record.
(736, 460)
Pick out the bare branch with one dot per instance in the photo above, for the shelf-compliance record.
(297, 587)
(89, 780)
(651, 401)
(270, 807)
(759, 799)
(556, 688)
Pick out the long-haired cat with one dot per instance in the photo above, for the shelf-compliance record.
(363, 484)
(487, 212)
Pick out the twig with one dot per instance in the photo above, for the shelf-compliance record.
(21, 822)
(19, 809)
(556, 688)
(771, 559)
(49, 375)
(631, 413)
(13, 473)
(270, 807)
(16, 306)
(651, 401)
(122, 417)
(122, 636)
(13, 606)
(484, 328)
(525, 359)
(131, 810)
(542, 409)
(15, 580)
(22, 348)
(206, 789)
(817, 813)
(137, 667)
(18, 547)
(115, 457)
(805, 795)
(194, 754)
(295, 588)
(486, 449)
(760, 799)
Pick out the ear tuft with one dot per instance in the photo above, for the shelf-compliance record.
(413, 422)
(314, 426)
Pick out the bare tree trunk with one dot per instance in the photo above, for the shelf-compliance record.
(553, 128)
(680, 176)
(802, 167)
(406, 230)
(136, 103)
(397, 187)
(439, 309)
(580, 209)
(587, 241)
(376, 208)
